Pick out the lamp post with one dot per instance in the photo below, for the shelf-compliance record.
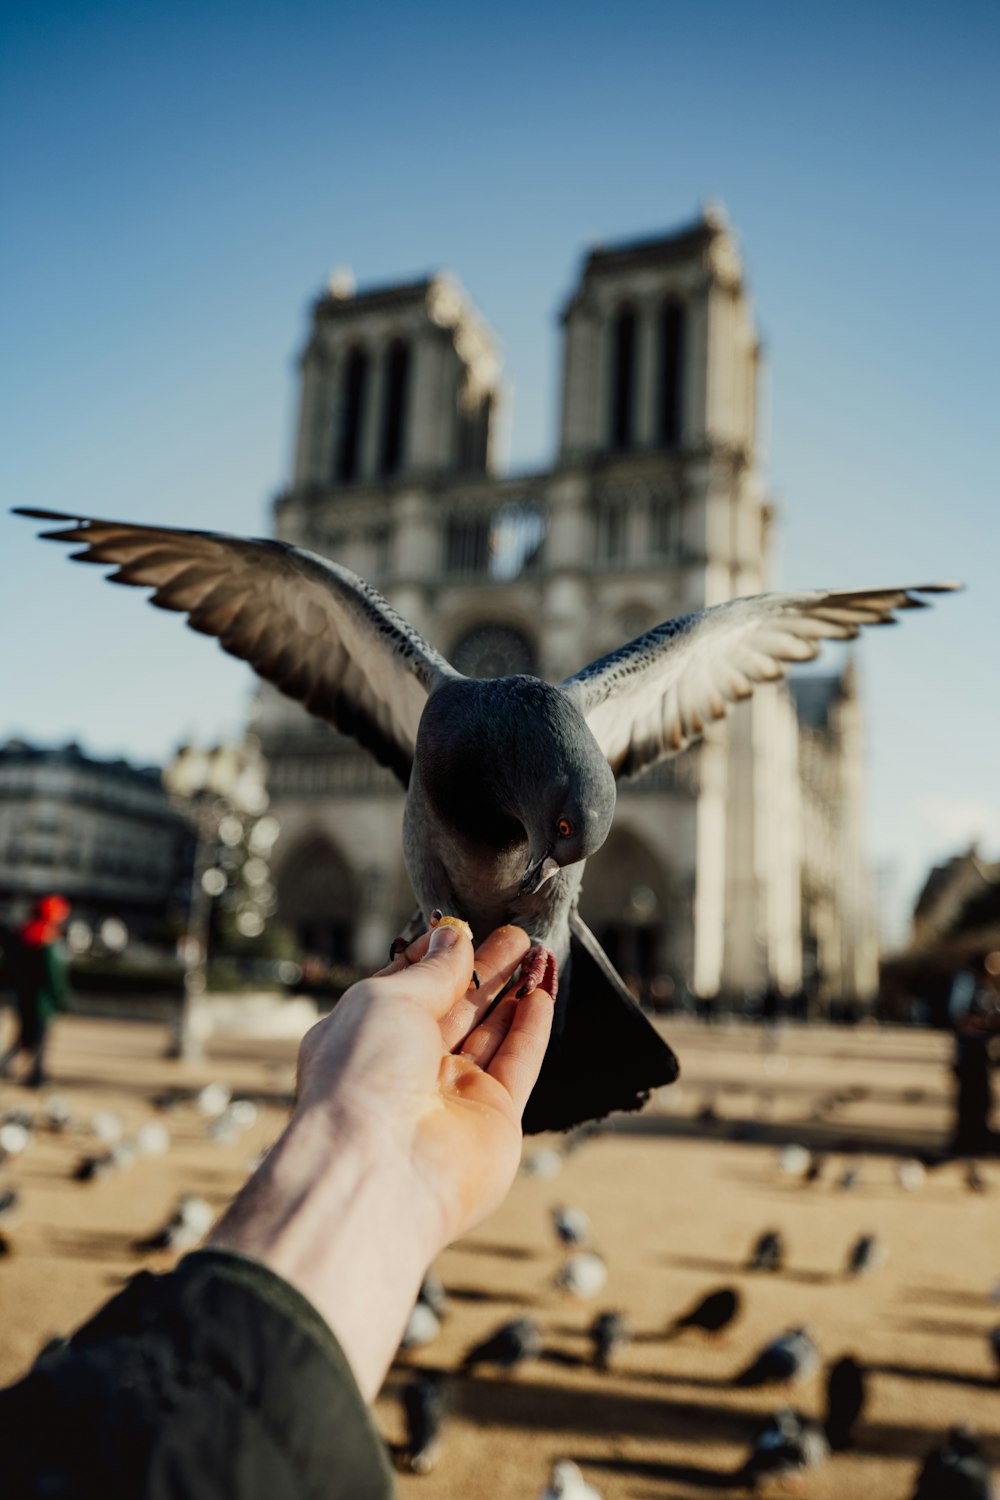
(218, 792)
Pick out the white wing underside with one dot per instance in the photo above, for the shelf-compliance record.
(316, 630)
(652, 697)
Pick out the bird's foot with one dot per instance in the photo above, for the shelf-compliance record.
(538, 972)
(396, 947)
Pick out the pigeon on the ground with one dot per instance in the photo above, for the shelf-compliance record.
(432, 1293)
(787, 1447)
(582, 1275)
(712, 1314)
(815, 1169)
(107, 1126)
(957, 1470)
(791, 1357)
(976, 1179)
(422, 1326)
(426, 1405)
(58, 1114)
(9, 1208)
(508, 1347)
(911, 1174)
(849, 1179)
(868, 1253)
(94, 1166)
(768, 1254)
(511, 781)
(544, 1163)
(568, 1483)
(188, 1224)
(609, 1333)
(793, 1159)
(572, 1226)
(845, 1401)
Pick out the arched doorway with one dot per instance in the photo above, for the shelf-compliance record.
(626, 904)
(318, 899)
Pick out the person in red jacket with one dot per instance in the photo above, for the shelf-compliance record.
(40, 983)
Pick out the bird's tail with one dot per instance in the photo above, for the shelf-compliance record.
(604, 1054)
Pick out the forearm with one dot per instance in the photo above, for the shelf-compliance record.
(333, 1212)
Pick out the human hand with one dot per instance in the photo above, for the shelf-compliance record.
(406, 1132)
(407, 1058)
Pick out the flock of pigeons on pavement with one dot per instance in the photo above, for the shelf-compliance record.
(788, 1446)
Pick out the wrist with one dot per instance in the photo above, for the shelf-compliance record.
(335, 1210)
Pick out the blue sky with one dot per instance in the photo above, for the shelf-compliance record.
(177, 181)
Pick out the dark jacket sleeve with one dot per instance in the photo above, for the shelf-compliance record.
(218, 1381)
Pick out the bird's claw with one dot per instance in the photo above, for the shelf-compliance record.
(396, 947)
(538, 972)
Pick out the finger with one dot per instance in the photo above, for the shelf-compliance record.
(496, 961)
(438, 979)
(518, 1060)
(482, 1045)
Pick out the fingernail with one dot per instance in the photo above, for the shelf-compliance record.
(441, 939)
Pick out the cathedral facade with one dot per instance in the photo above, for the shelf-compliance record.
(654, 507)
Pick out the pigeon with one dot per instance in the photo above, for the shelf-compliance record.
(911, 1174)
(511, 782)
(433, 1294)
(845, 1401)
(790, 1357)
(768, 1254)
(91, 1168)
(152, 1139)
(712, 1314)
(571, 1225)
(849, 1179)
(58, 1115)
(955, 1471)
(426, 1405)
(814, 1171)
(787, 1447)
(107, 1126)
(867, 1254)
(568, 1483)
(609, 1333)
(583, 1275)
(508, 1347)
(976, 1179)
(188, 1224)
(544, 1163)
(793, 1159)
(15, 1137)
(9, 1203)
(422, 1326)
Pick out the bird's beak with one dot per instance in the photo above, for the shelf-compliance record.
(537, 873)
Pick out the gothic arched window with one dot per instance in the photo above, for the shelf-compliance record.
(671, 392)
(397, 370)
(352, 407)
(623, 350)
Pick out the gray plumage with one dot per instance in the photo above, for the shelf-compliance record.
(768, 1253)
(867, 1254)
(572, 1226)
(609, 1333)
(957, 1470)
(511, 782)
(790, 1357)
(788, 1446)
(426, 1406)
(508, 1347)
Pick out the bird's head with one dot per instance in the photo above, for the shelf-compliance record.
(511, 761)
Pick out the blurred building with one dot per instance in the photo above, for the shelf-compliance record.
(655, 506)
(102, 833)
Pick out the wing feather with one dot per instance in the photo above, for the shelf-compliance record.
(653, 696)
(313, 628)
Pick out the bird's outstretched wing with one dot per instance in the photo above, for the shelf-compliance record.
(316, 630)
(653, 696)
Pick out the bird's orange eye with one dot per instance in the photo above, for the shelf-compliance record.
(565, 828)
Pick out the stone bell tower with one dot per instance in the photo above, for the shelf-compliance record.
(398, 384)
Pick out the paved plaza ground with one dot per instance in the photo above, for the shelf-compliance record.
(676, 1195)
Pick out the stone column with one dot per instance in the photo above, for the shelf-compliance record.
(644, 415)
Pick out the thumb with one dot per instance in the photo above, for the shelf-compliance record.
(440, 978)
